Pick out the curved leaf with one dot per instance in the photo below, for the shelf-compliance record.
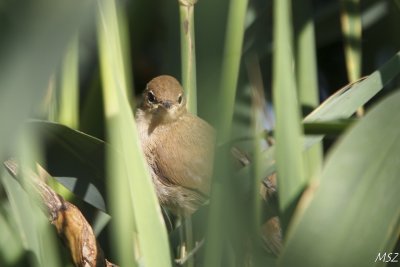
(75, 159)
(355, 212)
(340, 105)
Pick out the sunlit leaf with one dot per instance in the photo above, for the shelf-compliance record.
(288, 133)
(340, 105)
(354, 212)
(134, 205)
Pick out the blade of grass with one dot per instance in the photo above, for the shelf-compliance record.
(287, 130)
(132, 194)
(10, 242)
(258, 105)
(125, 48)
(334, 127)
(230, 67)
(50, 104)
(188, 56)
(340, 105)
(306, 74)
(33, 226)
(215, 235)
(352, 29)
(30, 54)
(69, 98)
(357, 197)
(255, 221)
(306, 61)
(120, 200)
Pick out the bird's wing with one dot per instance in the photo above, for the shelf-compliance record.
(185, 156)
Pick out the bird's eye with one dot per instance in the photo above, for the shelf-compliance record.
(151, 97)
(180, 99)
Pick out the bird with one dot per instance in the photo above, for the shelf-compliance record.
(177, 145)
(179, 150)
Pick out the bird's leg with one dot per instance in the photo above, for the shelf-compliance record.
(190, 254)
(186, 245)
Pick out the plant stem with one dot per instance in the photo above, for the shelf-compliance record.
(188, 56)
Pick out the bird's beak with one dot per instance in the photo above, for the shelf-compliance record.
(166, 104)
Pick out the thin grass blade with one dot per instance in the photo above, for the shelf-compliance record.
(220, 191)
(69, 98)
(134, 203)
(352, 29)
(287, 130)
(230, 66)
(306, 74)
(340, 105)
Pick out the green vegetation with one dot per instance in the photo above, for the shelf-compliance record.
(68, 74)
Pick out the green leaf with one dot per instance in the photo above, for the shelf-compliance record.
(352, 29)
(31, 49)
(340, 105)
(221, 190)
(33, 227)
(230, 67)
(288, 132)
(69, 98)
(333, 127)
(306, 74)
(10, 244)
(34, 37)
(75, 159)
(134, 203)
(354, 213)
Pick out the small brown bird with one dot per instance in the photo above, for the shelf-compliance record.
(178, 147)
(177, 144)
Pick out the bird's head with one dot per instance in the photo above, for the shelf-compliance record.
(164, 98)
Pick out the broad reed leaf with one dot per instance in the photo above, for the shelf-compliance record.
(353, 214)
(75, 159)
(340, 105)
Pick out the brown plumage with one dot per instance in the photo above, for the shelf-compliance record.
(178, 146)
(179, 150)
